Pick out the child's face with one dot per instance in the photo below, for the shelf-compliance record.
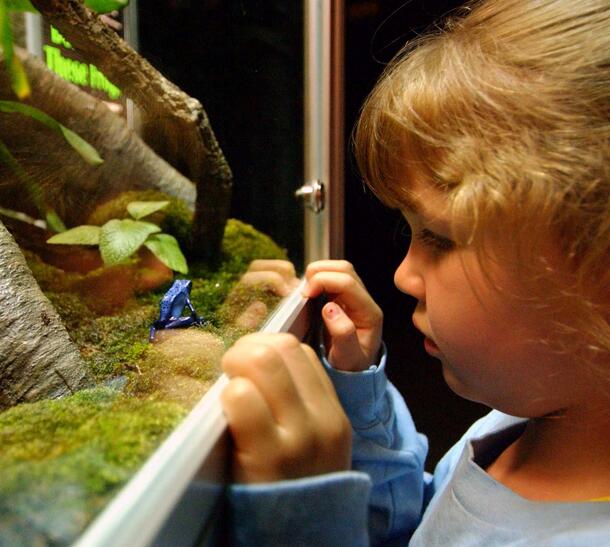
(489, 347)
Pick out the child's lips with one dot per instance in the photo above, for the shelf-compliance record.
(429, 344)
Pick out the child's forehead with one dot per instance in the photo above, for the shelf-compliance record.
(425, 201)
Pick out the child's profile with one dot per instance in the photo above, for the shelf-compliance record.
(492, 139)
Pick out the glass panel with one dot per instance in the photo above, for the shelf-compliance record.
(244, 61)
(95, 372)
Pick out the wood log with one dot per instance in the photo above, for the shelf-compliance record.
(37, 358)
(71, 185)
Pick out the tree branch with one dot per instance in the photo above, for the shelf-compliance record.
(175, 125)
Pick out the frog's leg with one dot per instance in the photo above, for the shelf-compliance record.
(179, 322)
(194, 316)
(158, 324)
(188, 304)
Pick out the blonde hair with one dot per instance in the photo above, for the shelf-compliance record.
(506, 109)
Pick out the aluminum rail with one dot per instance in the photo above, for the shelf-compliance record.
(135, 515)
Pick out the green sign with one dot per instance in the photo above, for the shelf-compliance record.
(61, 59)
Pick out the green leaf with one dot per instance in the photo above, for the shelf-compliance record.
(167, 250)
(20, 5)
(106, 6)
(119, 239)
(81, 235)
(18, 215)
(19, 81)
(140, 209)
(54, 223)
(87, 152)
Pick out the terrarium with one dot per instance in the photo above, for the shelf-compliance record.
(151, 213)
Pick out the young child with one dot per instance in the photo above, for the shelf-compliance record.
(492, 137)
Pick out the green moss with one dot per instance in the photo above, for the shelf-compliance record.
(242, 244)
(48, 277)
(181, 376)
(62, 460)
(241, 297)
(112, 344)
(74, 313)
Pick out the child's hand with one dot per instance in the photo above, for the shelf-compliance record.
(278, 275)
(283, 412)
(352, 318)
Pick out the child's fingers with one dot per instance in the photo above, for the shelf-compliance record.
(303, 368)
(313, 384)
(348, 292)
(342, 266)
(256, 358)
(249, 417)
(267, 278)
(345, 348)
(318, 368)
(282, 409)
(283, 267)
(253, 430)
(288, 375)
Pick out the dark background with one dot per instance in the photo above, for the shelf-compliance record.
(376, 239)
(243, 60)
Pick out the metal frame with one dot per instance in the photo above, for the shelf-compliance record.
(324, 127)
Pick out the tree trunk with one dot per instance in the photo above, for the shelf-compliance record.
(175, 125)
(38, 358)
(71, 185)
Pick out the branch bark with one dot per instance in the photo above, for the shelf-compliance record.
(39, 360)
(175, 125)
(71, 185)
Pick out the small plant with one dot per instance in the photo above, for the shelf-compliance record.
(119, 239)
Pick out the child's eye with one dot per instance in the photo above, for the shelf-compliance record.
(438, 244)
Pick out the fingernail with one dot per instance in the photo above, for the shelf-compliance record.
(331, 310)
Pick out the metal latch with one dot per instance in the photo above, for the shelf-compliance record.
(313, 195)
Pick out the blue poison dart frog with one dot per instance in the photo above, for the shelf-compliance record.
(171, 307)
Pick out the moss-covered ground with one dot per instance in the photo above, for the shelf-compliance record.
(62, 460)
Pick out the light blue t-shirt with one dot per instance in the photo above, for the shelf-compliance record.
(388, 499)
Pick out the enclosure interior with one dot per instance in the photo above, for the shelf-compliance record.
(244, 63)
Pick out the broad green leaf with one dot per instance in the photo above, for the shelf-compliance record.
(20, 5)
(167, 250)
(106, 6)
(119, 239)
(19, 81)
(81, 235)
(87, 152)
(141, 209)
(54, 223)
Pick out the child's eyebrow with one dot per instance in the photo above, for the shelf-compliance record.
(414, 207)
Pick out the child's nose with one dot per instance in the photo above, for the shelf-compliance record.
(409, 279)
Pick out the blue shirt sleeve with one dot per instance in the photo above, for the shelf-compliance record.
(387, 447)
(324, 510)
